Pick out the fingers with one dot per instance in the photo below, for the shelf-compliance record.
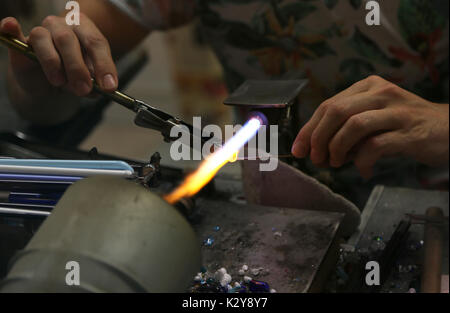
(69, 49)
(334, 118)
(355, 129)
(42, 43)
(376, 147)
(99, 54)
(69, 56)
(302, 144)
(11, 26)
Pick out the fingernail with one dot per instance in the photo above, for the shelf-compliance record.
(298, 149)
(109, 82)
(83, 88)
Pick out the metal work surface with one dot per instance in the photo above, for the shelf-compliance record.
(387, 206)
(288, 244)
(386, 211)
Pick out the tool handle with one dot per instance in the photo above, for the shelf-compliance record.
(18, 45)
(27, 50)
(433, 253)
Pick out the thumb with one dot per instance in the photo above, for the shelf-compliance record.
(10, 26)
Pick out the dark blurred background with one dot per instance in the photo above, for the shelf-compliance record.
(16, 8)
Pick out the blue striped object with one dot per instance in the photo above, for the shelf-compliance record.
(81, 164)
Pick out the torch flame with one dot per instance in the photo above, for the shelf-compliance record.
(234, 157)
(214, 162)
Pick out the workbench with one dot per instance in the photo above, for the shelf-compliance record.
(385, 210)
(290, 248)
(294, 249)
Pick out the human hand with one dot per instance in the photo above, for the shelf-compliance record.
(373, 119)
(68, 57)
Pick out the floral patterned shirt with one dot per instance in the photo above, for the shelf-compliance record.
(327, 41)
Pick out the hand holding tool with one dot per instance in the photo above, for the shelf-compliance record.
(147, 116)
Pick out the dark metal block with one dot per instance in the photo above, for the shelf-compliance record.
(266, 93)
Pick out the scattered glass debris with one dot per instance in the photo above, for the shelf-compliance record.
(221, 282)
(223, 277)
(407, 268)
(208, 241)
(377, 244)
(226, 280)
(258, 286)
(414, 246)
(234, 289)
(347, 248)
(255, 271)
(198, 277)
(341, 273)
